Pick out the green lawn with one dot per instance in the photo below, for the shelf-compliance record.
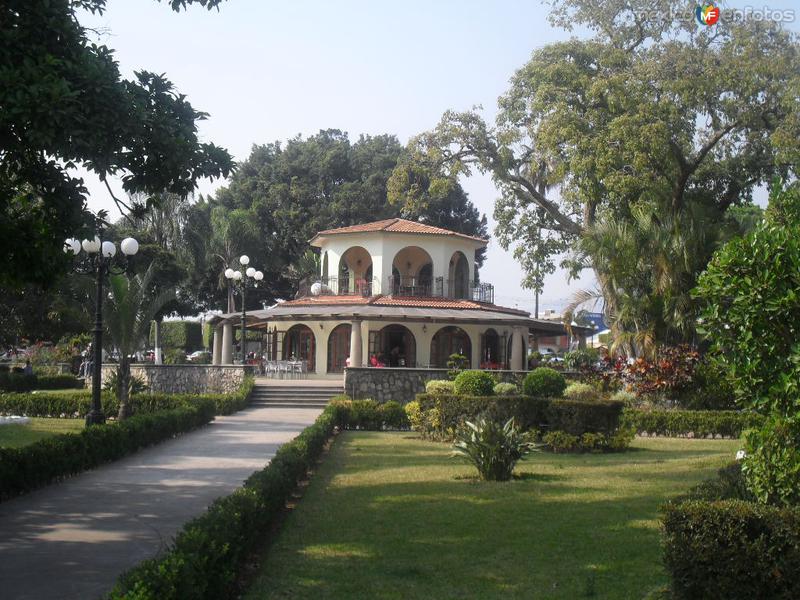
(16, 436)
(391, 516)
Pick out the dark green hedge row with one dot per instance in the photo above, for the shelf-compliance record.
(369, 414)
(32, 466)
(700, 423)
(186, 335)
(24, 382)
(44, 404)
(205, 559)
(571, 416)
(58, 382)
(732, 549)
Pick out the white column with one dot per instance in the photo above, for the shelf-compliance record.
(356, 359)
(227, 344)
(158, 358)
(216, 355)
(516, 350)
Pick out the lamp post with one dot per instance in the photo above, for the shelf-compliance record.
(243, 281)
(99, 261)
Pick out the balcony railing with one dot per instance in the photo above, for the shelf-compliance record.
(398, 286)
(338, 286)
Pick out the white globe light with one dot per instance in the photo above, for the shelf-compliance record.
(250, 271)
(72, 245)
(316, 288)
(244, 259)
(91, 246)
(129, 246)
(237, 275)
(229, 273)
(259, 276)
(109, 249)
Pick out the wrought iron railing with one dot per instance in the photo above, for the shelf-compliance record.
(410, 286)
(462, 289)
(338, 286)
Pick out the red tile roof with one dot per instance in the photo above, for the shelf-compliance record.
(397, 226)
(408, 301)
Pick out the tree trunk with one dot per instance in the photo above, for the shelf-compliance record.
(159, 358)
(123, 386)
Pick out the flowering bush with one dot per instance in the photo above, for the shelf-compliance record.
(669, 375)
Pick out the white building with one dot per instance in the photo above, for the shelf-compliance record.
(393, 292)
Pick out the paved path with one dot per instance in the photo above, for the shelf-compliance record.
(73, 539)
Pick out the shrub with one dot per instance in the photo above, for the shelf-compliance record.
(416, 417)
(369, 414)
(474, 383)
(545, 382)
(456, 363)
(136, 385)
(439, 386)
(560, 441)
(494, 449)
(584, 359)
(506, 389)
(581, 391)
(729, 484)
(772, 463)
(40, 463)
(732, 549)
(175, 356)
(58, 382)
(711, 388)
(699, 423)
(669, 375)
(17, 382)
(626, 397)
(393, 416)
(186, 335)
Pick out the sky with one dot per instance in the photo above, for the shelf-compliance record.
(267, 70)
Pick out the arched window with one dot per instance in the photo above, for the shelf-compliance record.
(338, 348)
(458, 275)
(355, 272)
(392, 346)
(491, 356)
(447, 341)
(299, 344)
(412, 272)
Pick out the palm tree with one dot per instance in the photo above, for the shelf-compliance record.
(131, 305)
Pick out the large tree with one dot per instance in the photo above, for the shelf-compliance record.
(290, 191)
(65, 104)
(662, 112)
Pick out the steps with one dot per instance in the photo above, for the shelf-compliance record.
(294, 395)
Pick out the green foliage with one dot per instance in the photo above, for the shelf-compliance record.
(474, 383)
(505, 389)
(136, 385)
(175, 356)
(66, 104)
(456, 363)
(29, 467)
(732, 549)
(561, 441)
(369, 414)
(624, 396)
(493, 449)
(23, 382)
(710, 389)
(698, 423)
(439, 386)
(772, 463)
(186, 335)
(544, 381)
(581, 391)
(583, 359)
(728, 484)
(205, 558)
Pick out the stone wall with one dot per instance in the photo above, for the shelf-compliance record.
(189, 379)
(401, 385)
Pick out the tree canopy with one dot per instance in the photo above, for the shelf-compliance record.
(686, 120)
(65, 104)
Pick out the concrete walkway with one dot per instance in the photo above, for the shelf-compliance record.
(73, 539)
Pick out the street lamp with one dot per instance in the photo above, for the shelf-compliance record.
(99, 261)
(250, 277)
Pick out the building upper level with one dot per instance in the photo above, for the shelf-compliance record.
(399, 258)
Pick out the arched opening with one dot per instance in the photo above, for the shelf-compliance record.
(325, 266)
(299, 344)
(458, 276)
(412, 272)
(355, 272)
(491, 346)
(392, 346)
(338, 348)
(447, 341)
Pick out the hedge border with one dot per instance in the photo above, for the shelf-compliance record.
(697, 423)
(206, 556)
(27, 468)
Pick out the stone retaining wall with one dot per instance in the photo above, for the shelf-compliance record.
(187, 379)
(400, 384)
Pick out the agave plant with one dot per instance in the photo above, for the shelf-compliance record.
(493, 448)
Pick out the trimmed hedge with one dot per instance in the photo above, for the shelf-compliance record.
(206, 556)
(571, 416)
(186, 335)
(369, 414)
(544, 381)
(699, 423)
(732, 549)
(474, 383)
(58, 382)
(25, 382)
(24, 469)
(77, 404)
